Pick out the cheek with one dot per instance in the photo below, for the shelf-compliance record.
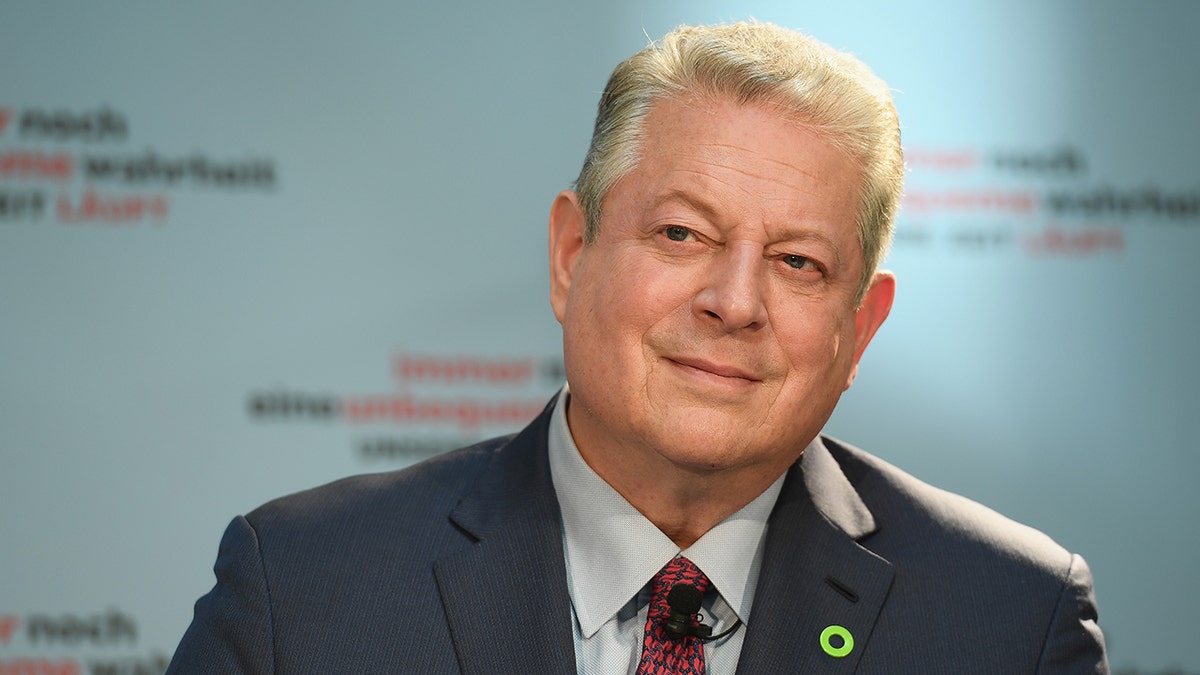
(642, 292)
(610, 304)
(815, 337)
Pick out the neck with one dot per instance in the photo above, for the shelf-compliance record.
(683, 492)
(682, 502)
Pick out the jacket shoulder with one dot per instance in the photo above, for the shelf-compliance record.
(908, 509)
(429, 486)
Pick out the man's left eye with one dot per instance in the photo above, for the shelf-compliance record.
(796, 261)
(677, 233)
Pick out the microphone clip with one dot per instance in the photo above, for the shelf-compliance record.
(683, 618)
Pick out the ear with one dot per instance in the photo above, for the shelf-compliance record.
(876, 304)
(567, 223)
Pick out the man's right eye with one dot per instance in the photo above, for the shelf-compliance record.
(677, 233)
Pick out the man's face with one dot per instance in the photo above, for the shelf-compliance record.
(712, 323)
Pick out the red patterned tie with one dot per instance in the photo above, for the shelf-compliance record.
(660, 654)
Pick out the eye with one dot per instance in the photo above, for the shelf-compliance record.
(677, 233)
(797, 261)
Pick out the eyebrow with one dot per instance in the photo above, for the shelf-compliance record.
(694, 203)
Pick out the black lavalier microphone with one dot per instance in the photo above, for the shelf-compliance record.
(683, 616)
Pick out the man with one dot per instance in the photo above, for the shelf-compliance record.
(716, 278)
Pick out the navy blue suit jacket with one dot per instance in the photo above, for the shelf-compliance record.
(456, 566)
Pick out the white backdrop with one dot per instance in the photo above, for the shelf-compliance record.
(245, 250)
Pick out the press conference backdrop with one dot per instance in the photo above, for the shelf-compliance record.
(248, 248)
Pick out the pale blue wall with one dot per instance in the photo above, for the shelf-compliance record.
(415, 152)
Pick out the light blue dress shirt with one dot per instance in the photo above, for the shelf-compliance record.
(612, 552)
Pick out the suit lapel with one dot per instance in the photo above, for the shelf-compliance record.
(814, 574)
(506, 596)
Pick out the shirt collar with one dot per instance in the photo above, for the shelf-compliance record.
(612, 550)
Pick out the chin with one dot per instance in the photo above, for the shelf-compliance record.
(702, 444)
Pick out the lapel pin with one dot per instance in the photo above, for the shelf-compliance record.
(836, 641)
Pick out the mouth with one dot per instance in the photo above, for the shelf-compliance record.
(708, 369)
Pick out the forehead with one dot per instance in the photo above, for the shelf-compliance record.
(750, 158)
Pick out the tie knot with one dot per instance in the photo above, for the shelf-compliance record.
(679, 571)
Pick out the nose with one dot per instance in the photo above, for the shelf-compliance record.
(733, 290)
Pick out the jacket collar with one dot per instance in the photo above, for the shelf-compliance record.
(832, 494)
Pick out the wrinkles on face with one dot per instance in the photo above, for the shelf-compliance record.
(762, 210)
(751, 164)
